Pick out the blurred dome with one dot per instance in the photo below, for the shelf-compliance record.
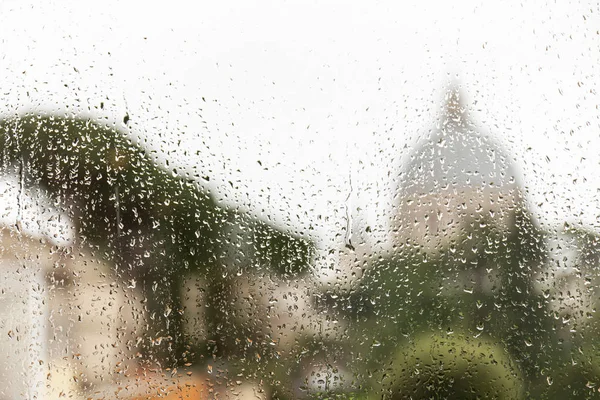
(454, 178)
(455, 156)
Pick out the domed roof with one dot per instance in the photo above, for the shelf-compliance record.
(455, 181)
(455, 156)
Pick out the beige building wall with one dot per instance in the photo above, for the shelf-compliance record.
(435, 222)
(67, 327)
(96, 323)
(24, 261)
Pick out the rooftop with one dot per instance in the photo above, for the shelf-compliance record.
(455, 155)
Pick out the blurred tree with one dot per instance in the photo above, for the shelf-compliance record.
(452, 366)
(155, 225)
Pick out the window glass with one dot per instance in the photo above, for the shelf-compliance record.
(299, 200)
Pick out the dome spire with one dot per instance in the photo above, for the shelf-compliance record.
(454, 108)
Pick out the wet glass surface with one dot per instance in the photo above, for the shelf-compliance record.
(299, 201)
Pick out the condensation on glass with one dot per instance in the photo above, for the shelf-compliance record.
(415, 266)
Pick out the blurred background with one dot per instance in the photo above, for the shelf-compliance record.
(299, 200)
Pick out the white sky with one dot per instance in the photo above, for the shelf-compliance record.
(320, 90)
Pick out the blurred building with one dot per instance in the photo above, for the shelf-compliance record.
(96, 323)
(32, 239)
(457, 200)
(23, 315)
(457, 180)
(68, 326)
(456, 187)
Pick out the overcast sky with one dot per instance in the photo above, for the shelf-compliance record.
(284, 104)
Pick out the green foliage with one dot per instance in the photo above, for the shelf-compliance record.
(112, 187)
(451, 366)
(118, 192)
(287, 257)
